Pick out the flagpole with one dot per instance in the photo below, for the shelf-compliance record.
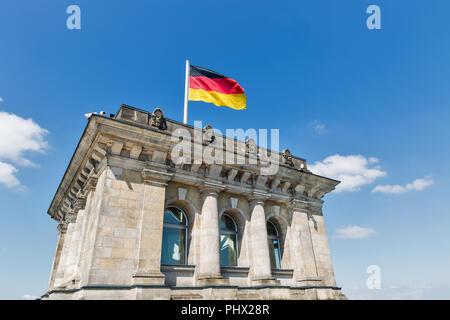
(186, 93)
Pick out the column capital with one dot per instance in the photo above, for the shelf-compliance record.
(210, 188)
(70, 218)
(258, 195)
(257, 198)
(298, 205)
(62, 227)
(315, 206)
(157, 177)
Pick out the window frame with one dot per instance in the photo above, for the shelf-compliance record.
(277, 238)
(177, 227)
(227, 232)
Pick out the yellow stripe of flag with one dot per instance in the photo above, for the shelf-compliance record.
(235, 101)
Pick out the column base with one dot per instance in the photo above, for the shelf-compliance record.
(155, 278)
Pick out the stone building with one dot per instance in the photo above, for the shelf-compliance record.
(134, 224)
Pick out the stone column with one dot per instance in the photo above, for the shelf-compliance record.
(62, 228)
(261, 270)
(151, 227)
(302, 251)
(209, 265)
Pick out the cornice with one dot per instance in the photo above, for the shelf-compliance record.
(147, 149)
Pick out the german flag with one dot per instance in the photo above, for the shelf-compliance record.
(209, 86)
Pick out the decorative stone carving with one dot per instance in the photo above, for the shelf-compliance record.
(208, 134)
(260, 181)
(62, 227)
(135, 151)
(287, 158)
(70, 218)
(182, 193)
(214, 170)
(250, 147)
(245, 177)
(276, 210)
(116, 147)
(157, 119)
(234, 202)
(159, 156)
(98, 153)
(79, 204)
(285, 186)
(274, 184)
(232, 174)
(300, 188)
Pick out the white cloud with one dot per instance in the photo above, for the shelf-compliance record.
(354, 171)
(416, 185)
(354, 232)
(1, 99)
(7, 177)
(29, 297)
(18, 137)
(318, 127)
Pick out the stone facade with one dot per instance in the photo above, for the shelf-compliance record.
(110, 208)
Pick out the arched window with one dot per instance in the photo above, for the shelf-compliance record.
(174, 241)
(274, 246)
(228, 241)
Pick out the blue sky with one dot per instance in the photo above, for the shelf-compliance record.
(370, 107)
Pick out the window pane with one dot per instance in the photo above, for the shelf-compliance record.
(173, 246)
(227, 224)
(271, 230)
(228, 252)
(174, 216)
(274, 251)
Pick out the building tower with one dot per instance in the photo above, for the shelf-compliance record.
(134, 223)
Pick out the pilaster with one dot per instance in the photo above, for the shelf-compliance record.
(151, 226)
(62, 228)
(303, 257)
(320, 243)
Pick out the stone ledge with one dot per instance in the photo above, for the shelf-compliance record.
(238, 270)
(177, 268)
(250, 292)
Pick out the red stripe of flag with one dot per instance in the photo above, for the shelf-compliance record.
(221, 85)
